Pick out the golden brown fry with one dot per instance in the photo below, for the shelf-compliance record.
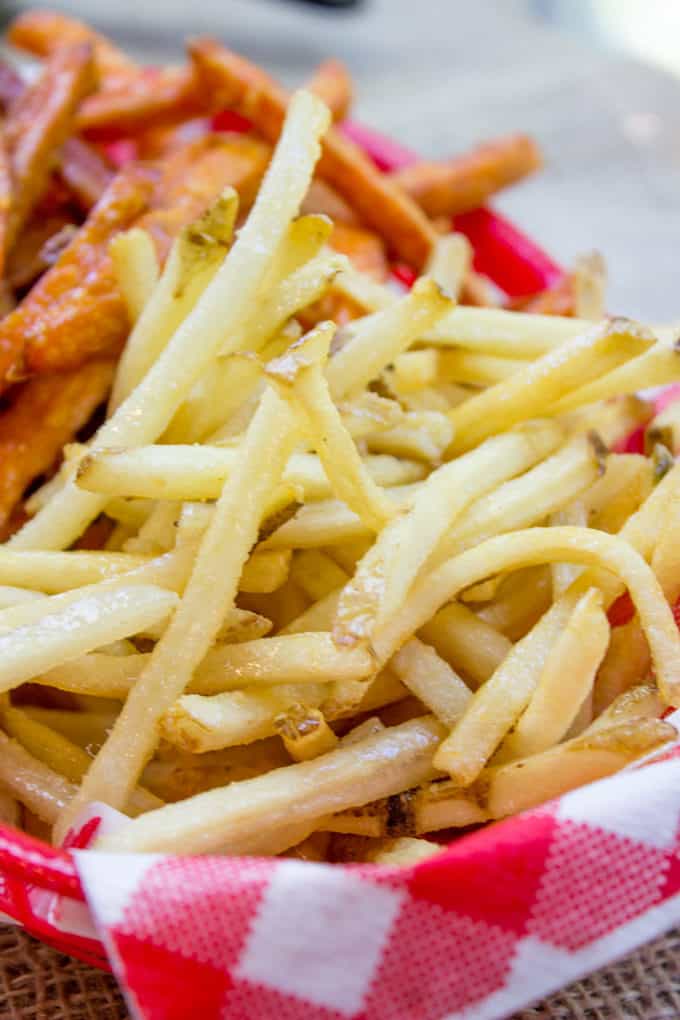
(466, 182)
(39, 122)
(377, 200)
(60, 405)
(466, 642)
(331, 82)
(150, 96)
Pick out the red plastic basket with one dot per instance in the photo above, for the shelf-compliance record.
(503, 254)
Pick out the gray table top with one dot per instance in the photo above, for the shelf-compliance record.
(442, 74)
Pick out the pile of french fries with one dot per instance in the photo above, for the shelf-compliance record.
(335, 573)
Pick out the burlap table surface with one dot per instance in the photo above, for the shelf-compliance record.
(37, 983)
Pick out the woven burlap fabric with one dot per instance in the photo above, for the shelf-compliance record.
(37, 983)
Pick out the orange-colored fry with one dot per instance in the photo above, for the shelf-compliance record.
(39, 122)
(234, 82)
(364, 248)
(476, 291)
(148, 97)
(45, 414)
(75, 312)
(193, 177)
(555, 300)
(466, 182)
(331, 82)
(45, 32)
(84, 172)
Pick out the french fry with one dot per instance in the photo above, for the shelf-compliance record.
(399, 852)
(406, 545)
(520, 785)
(316, 573)
(305, 732)
(522, 599)
(466, 367)
(235, 82)
(300, 380)
(450, 262)
(136, 266)
(575, 515)
(212, 586)
(232, 818)
(535, 545)
(369, 413)
(625, 664)
(6, 194)
(53, 572)
(44, 32)
(654, 367)
(589, 281)
(160, 97)
(498, 704)
(565, 681)
(331, 82)
(639, 702)
(98, 674)
(81, 627)
(624, 486)
(466, 182)
(505, 334)
(371, 343)
(33, 784)
(86, 728)
(62, 404)
(39, 122)
(62, 756)
(540, 386)
(421, 435)
(466, 642)
(193, 261)
(144, 415)
(265, 571)
(49, 330)
(432, 680)
(284, 659)
(435, 806)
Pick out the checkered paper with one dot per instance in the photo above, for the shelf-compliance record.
(501, 918)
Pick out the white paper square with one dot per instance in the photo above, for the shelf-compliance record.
(319, 935)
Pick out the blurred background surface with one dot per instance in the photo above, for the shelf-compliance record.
(596, 81)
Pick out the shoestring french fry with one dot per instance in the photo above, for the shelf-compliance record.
(432, 680)
(468, 643)
(589, 282)
(520, 785)
(53, 572)
(209, 595)
(504, 334)
(449, 263)
(64, 757)
(613, 420)
(421, 435)
(639, 702)
(81, 627)
(230, 819)
(546, 545)
(522, 599)
(626, 483)
(194, 258)
(539, 388)
(33, 783)
(625, 664)
(224, 306)
(576, 515)
(406, 545)
(136, 266)
(654, 367)
(400, 851)
(565, 681)
(497, 705)
(316, 573)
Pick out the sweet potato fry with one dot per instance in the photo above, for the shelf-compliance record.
(39, 122)
(322, 198)
(45, 413)
(466, 182)
(331, 83)
(44, 32)
(84, 171)
(75, 310)
(234, 82)
(147, 97)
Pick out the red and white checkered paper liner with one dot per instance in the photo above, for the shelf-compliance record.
(501, 918)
